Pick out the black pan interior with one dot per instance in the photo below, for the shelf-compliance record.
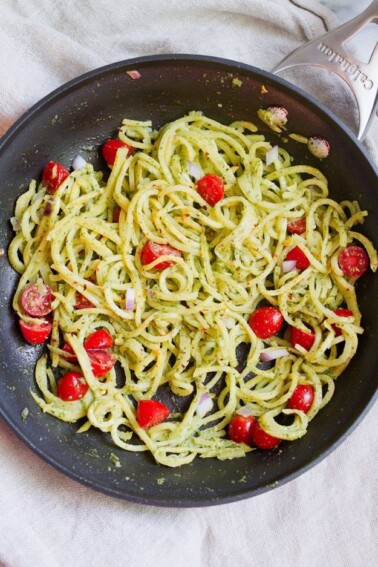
(77, 118)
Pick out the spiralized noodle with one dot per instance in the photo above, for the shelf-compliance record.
(190, 320)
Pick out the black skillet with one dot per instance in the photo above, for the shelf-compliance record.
(77, 118)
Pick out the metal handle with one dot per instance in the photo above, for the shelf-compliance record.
(329, 52)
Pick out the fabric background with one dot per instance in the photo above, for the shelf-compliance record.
(327, 516)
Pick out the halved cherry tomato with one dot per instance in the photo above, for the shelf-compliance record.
(151, 412)
(110, 148)
(82, 302)
(151, 251)
(302, 338)
(101, 361)
(72, 386)
(240, 429)
(262, 439)
(36, 332)
(297, 226)
(99, 339)
(354, 261)
(53, 175)
(69, 355)
(341, 312)
(211, 188)
(36, 299)
(302, 398)
(266, 321)
(297, 255)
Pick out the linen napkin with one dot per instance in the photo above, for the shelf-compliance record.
(327, 516)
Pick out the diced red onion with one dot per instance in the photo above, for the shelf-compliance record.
(134, 74)
(319, 146)
(273, 354)
(78, 162)
(194, 170)
(244, 411)
(271, 155)
(289, 265)
(130, 299)
(204, 405)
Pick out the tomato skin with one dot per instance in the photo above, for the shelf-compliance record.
(302, 338)
(99, 339)
(297, 255)
(116, 214)
(211, 188)
(53, 175)
(240, 429)
(151, 251)
(266, 321)
(302, 398)
(101, 361)
(110, 148)
(37, 332)
(354, 261)
(71, 387)
(297, 226)
(69, 355)
(151, 412)
(82, 302)
(341, 312)
(263, 440)
(36, 299)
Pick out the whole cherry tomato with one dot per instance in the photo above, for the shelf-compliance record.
(72, 386)
(354, 261)
(266, 321)
(36, 299)
(110, 148)
(262, 439)
(302, 338)
(151, 412)
(99, 339)
(297, 255)
(302, 398)
(36, 332)
(240, 429)
(341, 312)
(297, 226)
(53, 175)
(151, 251)
(211, 188)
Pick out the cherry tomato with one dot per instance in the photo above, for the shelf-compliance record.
(69, 355)
(82, 302)
(101, 362)
(211, 188)
(297, 255)
(302, 338)
(72, 386)
(297, 226)
(151, 251)
(302, 398)
(110, 148)
(151, 412)
(354, 261)
(36, 332)
(262, 439)
(240, 429)
(53, 175)
(341, 312)
(266, 321)
(99, 339)
(36, 299)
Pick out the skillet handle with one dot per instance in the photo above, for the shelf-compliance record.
(329, 52)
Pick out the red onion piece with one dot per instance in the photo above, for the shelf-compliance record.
(244, 411)
(204, 405)
(289, 265)
(273, 354)
(271, 155)
(134, 74)
(78, 162)
(194, 170)
(130, 299)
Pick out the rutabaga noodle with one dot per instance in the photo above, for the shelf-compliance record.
(190, 319)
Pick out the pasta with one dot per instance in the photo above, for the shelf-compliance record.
(186, 330)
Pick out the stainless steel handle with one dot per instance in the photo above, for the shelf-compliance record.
(329, 52)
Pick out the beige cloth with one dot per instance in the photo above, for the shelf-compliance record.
(327, 516)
